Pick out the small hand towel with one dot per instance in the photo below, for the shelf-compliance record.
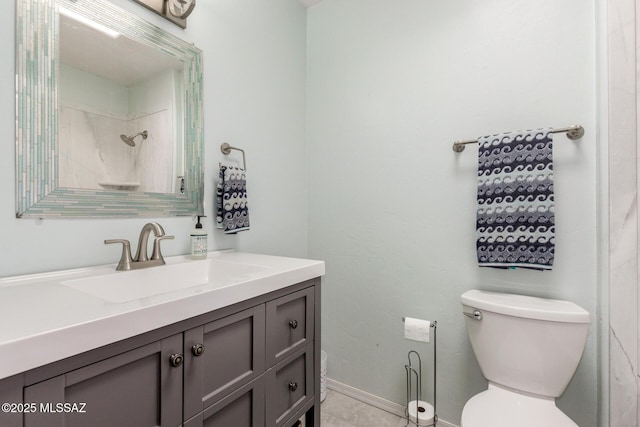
(417, 329)
(232, 211)
(515, 222)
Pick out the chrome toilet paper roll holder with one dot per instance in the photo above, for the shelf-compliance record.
(412, 372)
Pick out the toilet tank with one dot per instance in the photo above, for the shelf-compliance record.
(529, 344)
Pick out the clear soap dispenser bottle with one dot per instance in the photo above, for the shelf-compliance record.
(199, 241)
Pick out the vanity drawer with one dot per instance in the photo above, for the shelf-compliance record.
(232, 355)
(242, 408)
(290, 385)
(289, 324)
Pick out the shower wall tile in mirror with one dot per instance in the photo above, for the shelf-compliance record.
(108, 114)
(92, 153)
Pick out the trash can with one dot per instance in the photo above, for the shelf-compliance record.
(323, 375)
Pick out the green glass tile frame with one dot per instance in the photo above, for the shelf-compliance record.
(37, 70)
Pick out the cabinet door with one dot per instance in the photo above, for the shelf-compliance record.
(140, 388)
(289, 387)
(11, 392)
(232, 355)
(242, 408)
(289, 324)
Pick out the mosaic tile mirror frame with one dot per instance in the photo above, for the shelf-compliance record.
(42, 190)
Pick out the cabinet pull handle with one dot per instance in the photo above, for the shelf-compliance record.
(293, 386)
(197, 350)
(176, 360)
(293, 324)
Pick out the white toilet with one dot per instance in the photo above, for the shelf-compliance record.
(528, 349)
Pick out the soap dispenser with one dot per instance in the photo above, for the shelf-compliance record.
(199, 241)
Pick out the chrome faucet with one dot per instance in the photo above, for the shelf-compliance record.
(142, 259)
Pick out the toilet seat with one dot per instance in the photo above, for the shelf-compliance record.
(499, 407)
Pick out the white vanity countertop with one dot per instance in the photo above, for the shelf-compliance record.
(45, 319)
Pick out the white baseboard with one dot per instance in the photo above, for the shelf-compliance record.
(375, 401)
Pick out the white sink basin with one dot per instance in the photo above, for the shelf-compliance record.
(125, 286)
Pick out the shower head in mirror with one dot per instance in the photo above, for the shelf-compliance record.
(129, 140)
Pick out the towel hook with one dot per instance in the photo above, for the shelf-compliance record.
(226, 150)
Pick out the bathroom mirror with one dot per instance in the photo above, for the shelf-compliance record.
(109, 114)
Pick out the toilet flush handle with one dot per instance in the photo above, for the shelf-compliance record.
(476, 315)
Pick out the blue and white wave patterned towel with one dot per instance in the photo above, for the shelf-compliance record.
(232, 211)
(515, 224)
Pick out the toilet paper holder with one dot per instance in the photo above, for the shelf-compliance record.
(412, 372)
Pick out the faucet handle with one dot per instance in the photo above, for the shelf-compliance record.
(125, 259)
(157, 254)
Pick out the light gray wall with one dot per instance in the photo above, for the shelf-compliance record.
(390, 86)
(254, 98)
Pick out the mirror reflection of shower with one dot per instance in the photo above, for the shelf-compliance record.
(129, 140)
(134, 173)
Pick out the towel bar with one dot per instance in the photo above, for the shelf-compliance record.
(226, 149)
(573, 132)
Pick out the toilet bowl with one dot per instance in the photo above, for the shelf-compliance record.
(500, 407)
(528, 349)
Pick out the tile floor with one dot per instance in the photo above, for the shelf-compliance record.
(339, 410)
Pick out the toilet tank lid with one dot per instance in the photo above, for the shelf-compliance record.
(525, 306)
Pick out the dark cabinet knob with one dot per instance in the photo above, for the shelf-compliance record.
(176, 360)
(293, 324)
(197, 349)
(293, 386)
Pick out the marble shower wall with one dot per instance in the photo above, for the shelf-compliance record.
(623, 222)
(153, 158)
(94, 112)
(90, 149)
(153, 104)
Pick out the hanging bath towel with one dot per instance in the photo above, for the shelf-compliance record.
(515, 224)
(231, 200)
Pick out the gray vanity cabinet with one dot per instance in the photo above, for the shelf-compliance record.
(136, 388)
(252, 364)
(257, 357)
